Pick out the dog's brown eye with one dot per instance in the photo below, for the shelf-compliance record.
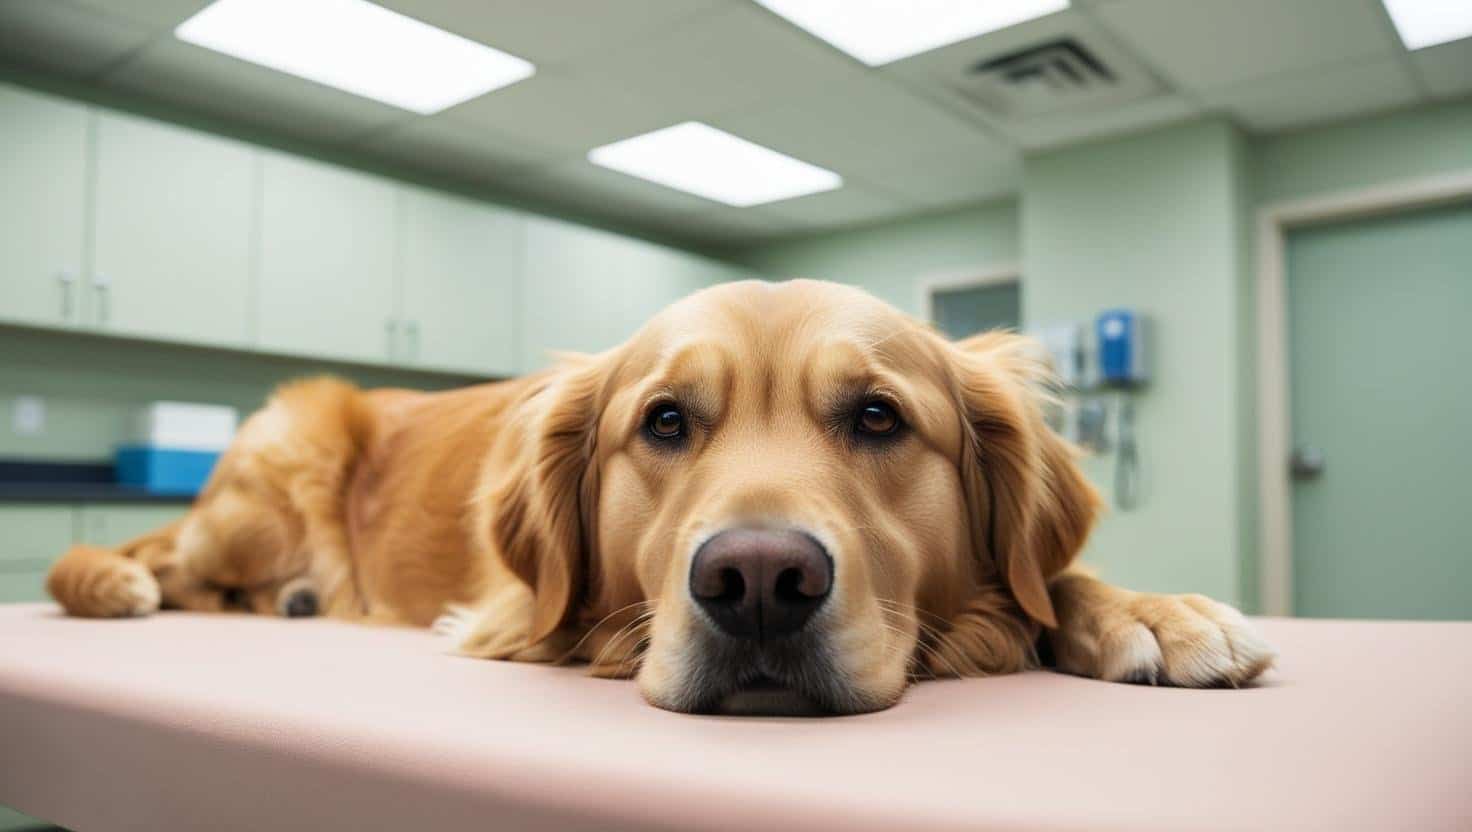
(877, 419)
(666, 422)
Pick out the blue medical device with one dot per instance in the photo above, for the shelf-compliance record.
(1121, 340)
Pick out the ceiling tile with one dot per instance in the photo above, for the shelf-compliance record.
(551, 31)
(1446, 69)
(850, 205)
(1206, 44)
(953, 60)
(1057, 129)
(956, 177)
(448, 149)
(586, 187)
(945, 75)
(160, 14)
(1325, 95)
(217, 85)
(570, 112)
(734, 59)
(727, 226)
(855, 125)
(67, 39)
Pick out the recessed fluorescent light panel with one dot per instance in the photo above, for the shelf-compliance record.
(699, 159)
(1424, 23)
(880, 31)
(356, 47)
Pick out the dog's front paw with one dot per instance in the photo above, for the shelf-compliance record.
(1182, 640)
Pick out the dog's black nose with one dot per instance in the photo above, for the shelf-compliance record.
(301, 604)
(761, 583)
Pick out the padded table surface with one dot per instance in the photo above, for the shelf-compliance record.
(232, 722)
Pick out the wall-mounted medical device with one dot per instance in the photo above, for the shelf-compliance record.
(1122, 339)
(1088, 361)
(1065, 351)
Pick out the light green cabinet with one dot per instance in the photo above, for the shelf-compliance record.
(587, 290)
(43, 170)
(173, 222)
(33, 537)
(133, 227)
(326, 261)
(102, 525)
(459, 270)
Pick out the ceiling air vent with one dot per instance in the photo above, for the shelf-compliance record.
(1058, 75)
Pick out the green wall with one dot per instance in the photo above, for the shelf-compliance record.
(93, 385)
(890, 260)
(1152, 222)
(1390, 148)
(1166, 220)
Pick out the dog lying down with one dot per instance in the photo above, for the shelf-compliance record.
(783, 493)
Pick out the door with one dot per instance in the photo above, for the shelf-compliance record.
(458, 284)
(327, 261)
(174, 213)
(42, 205)
(1378, 318)
(967, 310)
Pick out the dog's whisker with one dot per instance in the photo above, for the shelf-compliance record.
(571, 651)
(618, 637)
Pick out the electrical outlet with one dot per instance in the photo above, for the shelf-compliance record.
(28, 416)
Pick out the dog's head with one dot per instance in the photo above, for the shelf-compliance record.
(792, 496)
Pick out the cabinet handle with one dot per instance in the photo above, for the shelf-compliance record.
(68, 281)
(391, 337)
(413, 336)
(103, 286)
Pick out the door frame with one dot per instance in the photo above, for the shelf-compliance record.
(1274, 425)
(995, 275)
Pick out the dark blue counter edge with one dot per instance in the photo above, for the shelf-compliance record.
(85, 493)
(37, 481)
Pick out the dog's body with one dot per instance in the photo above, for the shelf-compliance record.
(771, 484)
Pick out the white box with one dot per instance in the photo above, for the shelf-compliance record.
(186, 426)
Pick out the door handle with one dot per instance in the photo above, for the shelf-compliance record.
(102, 285)
(412, 328)
(68, 281)
(1306, 463)
(391, 337)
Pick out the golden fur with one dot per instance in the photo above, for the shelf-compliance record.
(540, 515)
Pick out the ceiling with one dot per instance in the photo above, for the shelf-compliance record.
(906, 137)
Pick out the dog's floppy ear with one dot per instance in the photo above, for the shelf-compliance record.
(1031, 506)
(544, 504)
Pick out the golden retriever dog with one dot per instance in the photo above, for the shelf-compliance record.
(782, 496)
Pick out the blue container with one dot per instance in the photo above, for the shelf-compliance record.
(165, 470)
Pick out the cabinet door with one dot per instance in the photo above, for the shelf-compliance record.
(174, 213)
(33, 537)
(42, 193)
(115, 525)
(459, 279)
(327, 261)
(587, 290)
